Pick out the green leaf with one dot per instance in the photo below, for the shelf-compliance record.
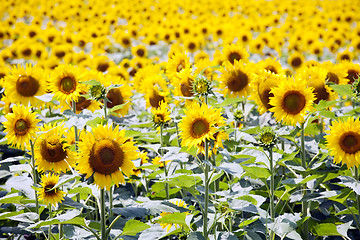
(94, 122)
(323, 104)
(327, 114)
(257, 172)
(92, 82)
(343, 90)
(174, 218)
(11, 199)
(118, 107)
(326, 229)
(247, 222)
(184, 181)
(84, 190)
(229, 101)
(132, 227)
(312, 129)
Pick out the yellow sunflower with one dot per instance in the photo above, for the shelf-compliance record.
(270, 64)
(157, 161)
(106, 154)
(336, 73)
(296, 60)
(182, 83)
(47, 193)
(353, 71)
(179, 203)
(261, 87)
(236, 79)
(291, 101)
(23, 84)
(20, 126)
(65, 83)
(177, 62)
(161, 115)
(198, 124)
(343, 141)
(52, 151)
(235, 52)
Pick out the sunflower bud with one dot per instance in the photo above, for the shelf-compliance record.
(238, 115)
(356, 86)
(201, 86)
(267, 137)
(97, 92)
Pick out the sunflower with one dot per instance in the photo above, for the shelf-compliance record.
(52, 151)
(236, 79)
(291, 101)
(23, 84)
(198, 124)
(179, 203)
(336, 73)
(65, 83)
(235, 52)
(343, 141)
(261, 87)
(183, 83)
(157, 161)
(106, 154)
(161, 115)
(177, 62)
(20, 126)
(47, 192)
(270, 64)
(296, 60)
(139, 51)
(315, 78)
(352, 69)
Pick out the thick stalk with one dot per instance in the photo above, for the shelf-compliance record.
(304, 203)
(111, 201)
(165, 168)
(102, 214)
(76, 141)
(206, 203)
(272, 190)
(50, 217)
(61, 233)
(35, 178)
(357, 195)
(105, 108)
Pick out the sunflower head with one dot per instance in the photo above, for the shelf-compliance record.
(161, 115)
(343, 141)
(267, 137)
(201, 86)
(48, 193)
(238, 115)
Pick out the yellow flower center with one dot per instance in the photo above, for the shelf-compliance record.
(106, 156)
(350, 142)
(67, 85)
(21, 127)
(237, 81)
(293, 102)
(27, 86)
(51, 149)
(199, 128)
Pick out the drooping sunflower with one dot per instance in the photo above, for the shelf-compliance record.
(106, 154)
(23, 84)
(343, 141)
(52, 150)
(198, 124)
(20, 126)
(261, 87)
(235, 52)
(47, 193)
(291, 101)
(236, 79)
(65, 83)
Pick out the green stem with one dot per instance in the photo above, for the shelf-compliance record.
(111, 201)
(206, 203)
(61, 233)
(105, 108)
(76, 140)
(50, 217)
(304, 203)
(167, 189)
(272, 190)
(357, 195)
(35, 178)
(102, 214)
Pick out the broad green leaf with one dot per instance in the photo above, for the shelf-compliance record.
(118, 107)
(84, 190)
(229, 101)
(257, 172)
(174, 218)
(133, 227)
(323, 104)
(11, 199)
(326, 229)
(327, 114)
(247, 222)
(343, 90)
(94, 122)
(184, 181)
(92, 82)
(28, 217)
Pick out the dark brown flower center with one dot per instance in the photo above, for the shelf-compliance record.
(140, 52)
(106, 156)
(321, 94)
(102, 67)
(199, 127)
(82, 103)
(271, 69)
(115, 97)
(67, 85)
(350, 142)
(49, 191)
(186, 88)
(180, 66)
(21, 127)
(265, 98)
(296, 62)
(234, 56)
(27, 86)
(332, 77)
(293, 102)
(51, 149)
(237, 81)
(352, 75)
(155, 99)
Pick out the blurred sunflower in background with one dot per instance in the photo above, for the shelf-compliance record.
(47, 193)
(105, 153)
(235, 52)
(343, 141)
(21, 126)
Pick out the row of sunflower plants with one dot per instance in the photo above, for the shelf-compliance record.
(213, 168)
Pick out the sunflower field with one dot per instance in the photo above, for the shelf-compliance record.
(180, 119)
